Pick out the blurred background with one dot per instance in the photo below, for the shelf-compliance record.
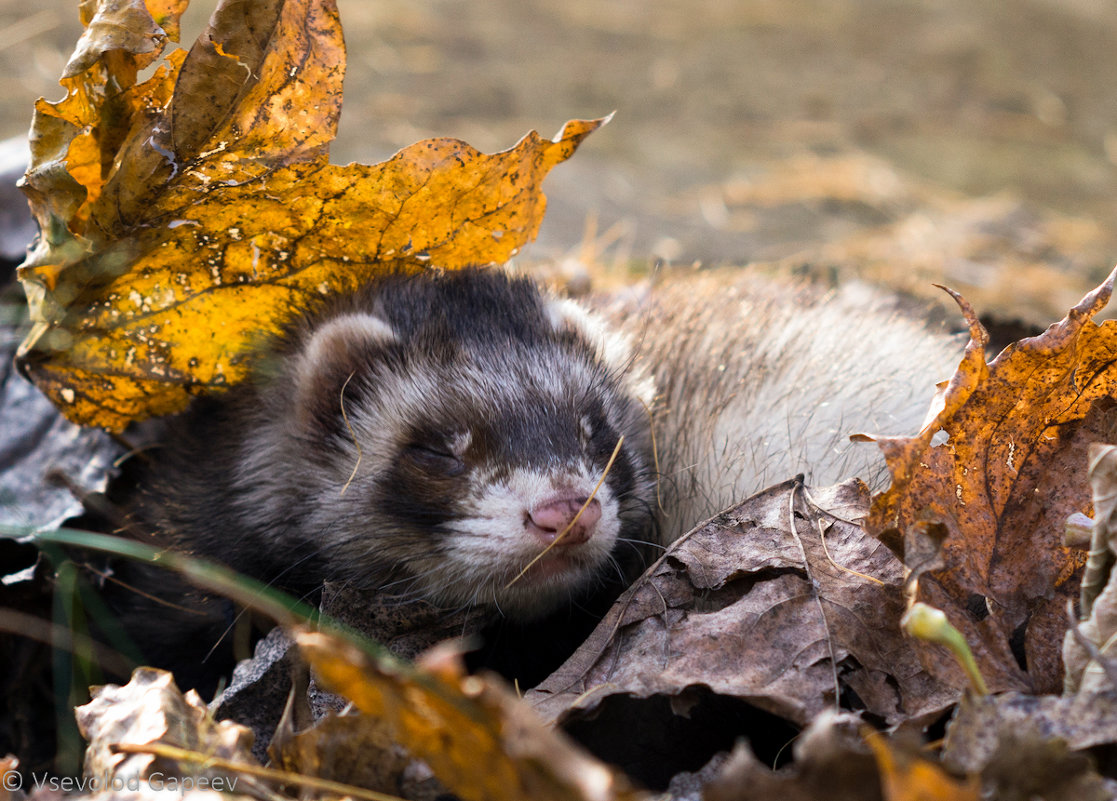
(908, 141)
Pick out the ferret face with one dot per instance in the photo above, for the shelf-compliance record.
(447, 428)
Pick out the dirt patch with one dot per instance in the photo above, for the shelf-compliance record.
(961, 100)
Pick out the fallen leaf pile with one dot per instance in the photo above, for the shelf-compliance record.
(151, 709)
(188, 215)
(476, 737)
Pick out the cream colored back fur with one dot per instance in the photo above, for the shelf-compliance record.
(760, 379)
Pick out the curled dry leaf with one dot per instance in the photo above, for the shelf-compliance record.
(150, 710)
(776, 611)
(1096, 636)
(992, 478)
(186, 216)
(1029, 763)
(480, 741)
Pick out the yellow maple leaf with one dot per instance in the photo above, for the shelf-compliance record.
(188, 216)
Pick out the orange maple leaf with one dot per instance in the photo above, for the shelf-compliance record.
(996, 474)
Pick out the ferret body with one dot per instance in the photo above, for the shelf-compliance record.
(759, 379)
(433, 435)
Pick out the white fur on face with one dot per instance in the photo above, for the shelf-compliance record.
(487, 549)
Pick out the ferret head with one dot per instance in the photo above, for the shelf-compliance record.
(444, 429)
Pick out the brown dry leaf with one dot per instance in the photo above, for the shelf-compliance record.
(831, 762)
(981, 725)
(350, 749)
(731, 607)
(191, 214)
(1028, 747)
(478, 739)
(906, 776)
(1030, 764)
(149, 710)
(993, 477)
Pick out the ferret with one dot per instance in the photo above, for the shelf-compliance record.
(432, 434)
(467, 438)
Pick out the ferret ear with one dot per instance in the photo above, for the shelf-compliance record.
(613, 347)
(568, 315)
(337, 350)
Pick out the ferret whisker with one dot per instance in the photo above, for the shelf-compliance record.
(611, 562)
(349, 428)
(640, 544)
(412, 579)
(275, 579)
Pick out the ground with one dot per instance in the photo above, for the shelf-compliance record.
(747, 130)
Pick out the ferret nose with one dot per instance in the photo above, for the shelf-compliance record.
(553, 517)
